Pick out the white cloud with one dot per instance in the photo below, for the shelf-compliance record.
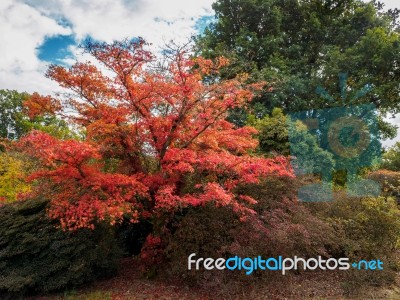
(110, 20)
(22, 30)
(24, 25)
(395, 121)
(391, 4)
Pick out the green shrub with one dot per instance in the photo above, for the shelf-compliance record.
(371, 226)
(36, 256)
(389, 181)
(368, 228)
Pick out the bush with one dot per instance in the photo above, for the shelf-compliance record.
(13, 172)
(207, 231)
(371, 225)
(37, 257)
(368, 228)
(389, 180)
(291, 227)
(358, 228)
(282, 226)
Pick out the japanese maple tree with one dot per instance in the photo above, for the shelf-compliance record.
(156, 137)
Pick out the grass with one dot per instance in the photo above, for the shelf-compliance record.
(95, 295)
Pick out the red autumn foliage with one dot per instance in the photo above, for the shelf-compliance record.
(157, 138)
(38, 104)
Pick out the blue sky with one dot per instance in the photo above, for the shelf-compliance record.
(35, 33)
(55, 49)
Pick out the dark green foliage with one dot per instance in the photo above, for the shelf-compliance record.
(37, 257)
(207, 231)
(204, 230)
(297, 46)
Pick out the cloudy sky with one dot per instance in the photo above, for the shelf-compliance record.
(34, 33)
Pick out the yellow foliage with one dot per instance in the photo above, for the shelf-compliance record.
(12, 177)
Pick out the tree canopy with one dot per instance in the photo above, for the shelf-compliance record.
(157, 137)
(11, 120)
(15, 121)
(297, 46)
(391, 158)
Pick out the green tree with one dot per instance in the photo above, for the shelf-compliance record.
(14, 122)
(272, 132)
(273, 135)
(11, 123)
(296, 46)
(391, 158)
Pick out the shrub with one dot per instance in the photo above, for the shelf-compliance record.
(369, 228)
(389, 180)
(291, 228)
(358, 228)
(36, 256)
(282, 226)
(13, 172)
(371, 225)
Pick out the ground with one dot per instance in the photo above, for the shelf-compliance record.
(131, 285)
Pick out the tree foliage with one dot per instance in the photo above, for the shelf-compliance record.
(273, 135)
(391, 158)
(15, 122)
(297, 46)
(11, 124)
(157, 138)
(13, 173)
(273, 132)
